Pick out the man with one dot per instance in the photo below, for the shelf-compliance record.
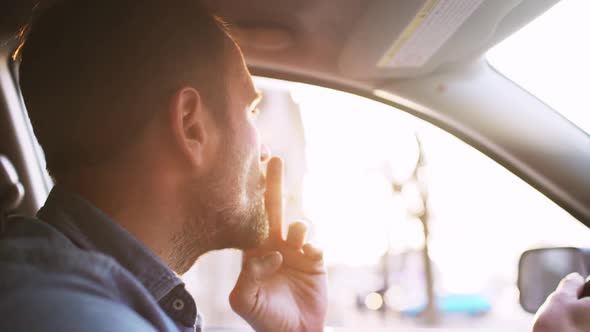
(146, 113)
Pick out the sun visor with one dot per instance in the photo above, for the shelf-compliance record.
(408, 38)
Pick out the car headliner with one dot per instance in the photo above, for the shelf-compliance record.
(338, 43)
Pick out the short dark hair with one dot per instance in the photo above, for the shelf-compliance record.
(93, 73)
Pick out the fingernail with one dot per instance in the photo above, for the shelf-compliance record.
(300, 225)
(572, 276)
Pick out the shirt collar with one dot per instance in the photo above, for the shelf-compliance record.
(91, 229)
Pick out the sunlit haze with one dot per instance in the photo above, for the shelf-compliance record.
(551, 59)
(356, 149)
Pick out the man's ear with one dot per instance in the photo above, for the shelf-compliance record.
(188, 124)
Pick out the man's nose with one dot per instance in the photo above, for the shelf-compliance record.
(264, 153)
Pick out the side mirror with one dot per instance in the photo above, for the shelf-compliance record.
(541, 270)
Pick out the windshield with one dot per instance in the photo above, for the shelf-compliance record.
(550, 59)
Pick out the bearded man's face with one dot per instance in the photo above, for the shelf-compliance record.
(229, 204)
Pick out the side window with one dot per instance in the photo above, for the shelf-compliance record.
(407, 215)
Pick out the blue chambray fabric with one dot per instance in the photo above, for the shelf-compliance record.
(73, 269)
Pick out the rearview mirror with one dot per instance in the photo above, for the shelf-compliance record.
(541, 270)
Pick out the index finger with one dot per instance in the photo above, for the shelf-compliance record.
(273, 198)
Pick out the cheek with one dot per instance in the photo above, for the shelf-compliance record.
(253, 156)
(252, 140)
(247, 146)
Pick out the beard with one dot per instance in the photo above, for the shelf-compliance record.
(228, 211)
(238, 226)
(239, 219)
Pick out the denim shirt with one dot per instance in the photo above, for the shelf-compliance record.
(73, 269)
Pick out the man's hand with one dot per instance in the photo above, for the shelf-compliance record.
(283, 285)
(564, 311)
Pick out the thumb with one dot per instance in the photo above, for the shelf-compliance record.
(254, 271)
(571, 285)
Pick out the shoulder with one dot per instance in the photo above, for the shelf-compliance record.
(54, 309)
(48, 283)
(29, 246)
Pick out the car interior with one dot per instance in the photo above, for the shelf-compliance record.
(425, 61)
